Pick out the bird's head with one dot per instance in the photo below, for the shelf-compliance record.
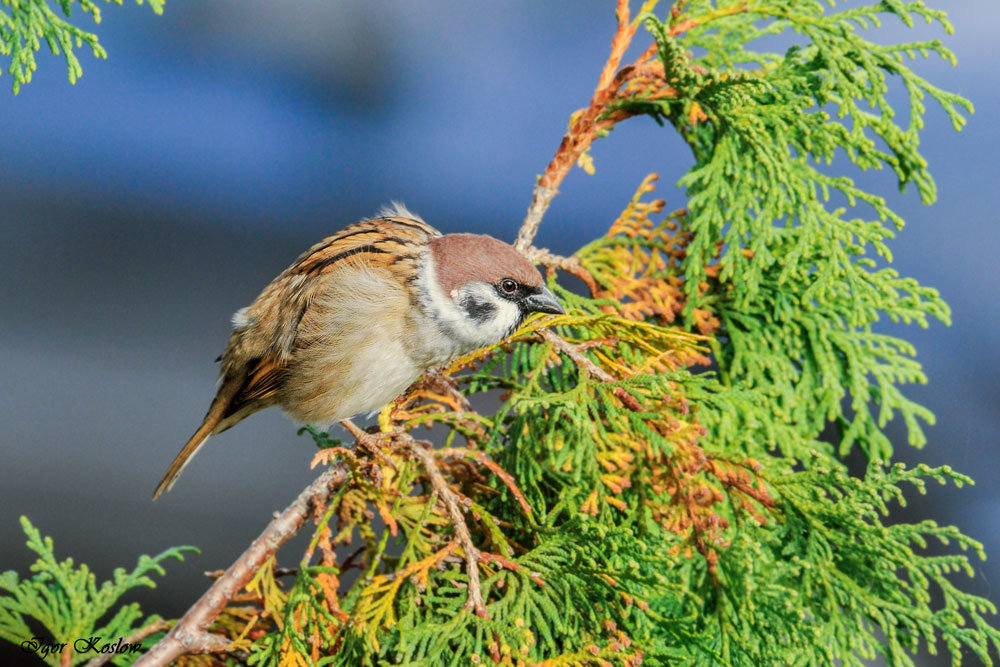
(478, 289)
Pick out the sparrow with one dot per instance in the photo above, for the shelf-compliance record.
(360, 316)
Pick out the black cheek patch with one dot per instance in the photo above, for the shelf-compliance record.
(478, 309)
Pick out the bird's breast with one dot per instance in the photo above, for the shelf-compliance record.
(353, 351)
(330, 382)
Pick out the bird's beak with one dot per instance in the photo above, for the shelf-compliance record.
(543, 302)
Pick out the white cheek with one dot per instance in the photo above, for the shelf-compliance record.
(505, 317)
(508, 316)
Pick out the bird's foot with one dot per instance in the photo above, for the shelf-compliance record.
(445, 385)
(375, 443)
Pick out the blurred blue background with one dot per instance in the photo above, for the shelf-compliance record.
(145, 204)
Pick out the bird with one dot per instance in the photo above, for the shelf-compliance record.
(360, 316)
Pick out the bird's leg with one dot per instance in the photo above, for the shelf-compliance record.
(444, 384)
(374, 443)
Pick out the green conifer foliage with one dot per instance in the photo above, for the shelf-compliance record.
(798, 283)
(26, 23)
(616, 515)
(66, 602)
(625, 505)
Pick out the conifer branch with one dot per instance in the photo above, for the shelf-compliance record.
(644, 80)
(581, 134)
(546, 258)
(588, 366)
(190, 634)
(486, 462)
(422, 451)
(26, 24)
(136, 637)
(570, 265)
(369, 441)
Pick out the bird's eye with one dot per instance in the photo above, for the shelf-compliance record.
(508, 286)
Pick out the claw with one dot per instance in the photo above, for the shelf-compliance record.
(374, 443)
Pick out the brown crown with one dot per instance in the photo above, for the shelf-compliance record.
(463, 258)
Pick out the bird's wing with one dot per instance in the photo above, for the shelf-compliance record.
(258, 353)
(259, 387)
(263, 341)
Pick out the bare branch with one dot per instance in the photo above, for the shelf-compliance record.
(373, 443)
(544, 257)
(570, 265)
(541, 197)
(581, 133)
(136, 637)
(491, 465)
(190, 634)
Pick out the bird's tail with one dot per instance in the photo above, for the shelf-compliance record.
(190, 449)
(217, 420)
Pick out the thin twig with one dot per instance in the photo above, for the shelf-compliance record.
(592, 369)
(190, 634)
(368, 441)
(491, 465)
(614, 84)
(508, 564)
(436, 379)
(570, 265)
(451, 503)
(541, 198)
(278, 572)
(579, 137)
(136, 637)
(546, 258)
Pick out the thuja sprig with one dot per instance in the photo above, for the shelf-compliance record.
(791, 277)
(25, 24)
(67, 602)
